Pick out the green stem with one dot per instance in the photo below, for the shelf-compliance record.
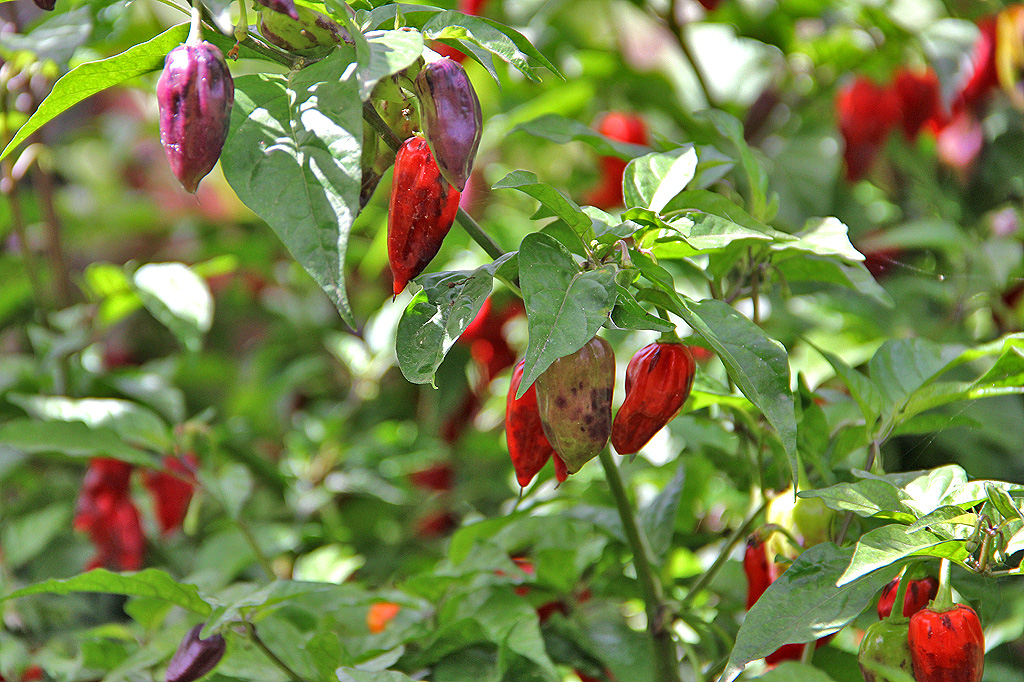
(741, 532)
(262, 646)
(195, 29)
(944, 599)
(684, 44)
(250, 539)
(896, 615)
(666, 658)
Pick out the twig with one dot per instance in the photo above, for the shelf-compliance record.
(680, 33)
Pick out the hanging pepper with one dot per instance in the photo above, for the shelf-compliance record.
(945, 638)
(422, 210)
(172, 489)
(659, 378)
(884, 644)
(757, 569)
(451, 118)
(574, 399)
(527, 445)
(195, 657)
(918, 594)
(195, 94)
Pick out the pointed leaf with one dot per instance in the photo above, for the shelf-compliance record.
(147, 583)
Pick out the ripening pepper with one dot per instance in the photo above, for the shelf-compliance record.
(658, 381)
(917, 596)
(574, 398)
(422, 210)
(757, 569)
(947, 646)
(310, 33)
(195, 93)
(451, 118)
(527, 445)
(195, 657)
(380, 614)
(884, 643)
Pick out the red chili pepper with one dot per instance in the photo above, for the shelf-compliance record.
(659, 378)
(625, 128)
(757, 568)
(422, 210)
(947, 646)
(105, 511)
(172, 490)
(919, 101)
(918, 594)
(983, 76)
(867, 112)
(439, 478)
(528, 447)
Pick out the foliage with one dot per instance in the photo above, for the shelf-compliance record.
(322, 473)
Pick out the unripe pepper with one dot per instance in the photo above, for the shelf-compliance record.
(658, 381)
(574, 397)
(918, 594)
(281, 6)
(422, 210)
(527, 445)
(885, 643)
(195, 93)
(195, 657)
(308, 33)
(947, 646)
(451, 118)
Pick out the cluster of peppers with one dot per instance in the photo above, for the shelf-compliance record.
(106, 512)
(567, 414)
(931, 638)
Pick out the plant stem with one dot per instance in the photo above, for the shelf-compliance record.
(896, 615)
(261, 645)
(679, 31)
(54, 244)
(250, 539)
(944, 599)
(665, 656)
(741, 531)
(195, 29)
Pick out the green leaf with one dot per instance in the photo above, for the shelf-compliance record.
(794, 671)
(758, 364)
(24, 537)
(653, 180)
(437, 315)
(865, 498)
(147, 583)
(177, 297)
(757, 179)
(133, 423)
(863, 390)
(92, 77)
(293, 157)
(883, 547)
(902, 366)
(823, 237)
(553, 199)
(390, 52)
(629, 314)
(561, 129)
(354, 675)
(73, 439)
(659, 516)
(824, 607)
(565, 307)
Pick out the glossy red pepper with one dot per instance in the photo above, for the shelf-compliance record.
(528, 447)
(947, 646)
(919, 101)
(659, 378)
(867, 112)
(422, 210)
(918, 594)
(757, 569)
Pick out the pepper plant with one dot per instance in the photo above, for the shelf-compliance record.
(296, 427)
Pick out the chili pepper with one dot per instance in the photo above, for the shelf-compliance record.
(659, 378)
(195, 657)
(757, 569)
(105, 511)
(422, 210)
(528, 446)
(918, 594)
(574, 400)
(867, 112)
(195, 94)
(919, 101)
(380, 614)
(47, 5)
(624, 128)
(438, 478)
(310, 33)
(884, 643)
(983, 76)
(947, 646)
(172, 489)
(451, 118)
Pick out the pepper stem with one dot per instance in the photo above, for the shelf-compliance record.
(195, 29)
(896, 615)
(944, 598)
